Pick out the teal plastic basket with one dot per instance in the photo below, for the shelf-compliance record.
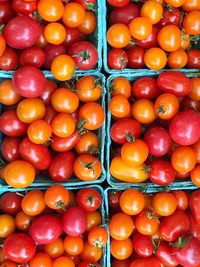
(73, 181)
(131, 77)
(74, 189)
(147, 190)
(106, 48)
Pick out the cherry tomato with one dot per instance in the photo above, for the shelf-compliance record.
(151, 40)
(88, 25)
(146, 223)
(93, 219)
(73, 245)
(51, 52)
(143, 111)
(120, 86)
(55, 249)
(41, 260)
(142, 245)
(151, 261)
(9, 59)
(10, 203)
(10, 148)
(62, 67)
(33, 56)
(98, 237)
(121, 249)
(64, 144)
(152, 10)
(63, 125)
(155, 58)
(89, 199)
(169, 38)
(140, 27)
(23, 221)
(74, 15)
(194, 94)
(194, 59)
(33, 203)
(55, 33)
(50, 10)
(6, 12)
(118, 35)
(191, 5)
(119, 106)
(39, 132)
(164, 204)
(56, 197)
(136, 57)
(118, 3)
(7, 225)
(175, 3)
(191, 23)
(194, 208)
(117, 59)
(73, 35)
(170, 17)
(177, 59)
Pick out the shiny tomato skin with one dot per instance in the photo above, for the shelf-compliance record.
(52, 51)
(165, 256)
(194, 227)
(194, 207)
(22, 7)
(193, 59)
(170, 17)
(9, 59)
(185, 127)
(113, 199)
(32, 56)
(10, 148)
(158, 141)
(120, 263)
(136, 57)
(46, 229)
(21, 32)
(64, 144)
(10, 125)
(37, 155)
(6, 12)
(74, 221)
(88, 264)
(73, 35)
(151, 40)
(174, 82)
(117, 59)
(142, 244)
(124, 14)
(10, 203)
(143, 262)
(19, 248)
(118, 3)
(124, 129)
(61, 168)
(175, 225)
(89, 199)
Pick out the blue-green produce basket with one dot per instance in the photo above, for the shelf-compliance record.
(146, 190)
(73, 181)
(131, 77)
(74, 189)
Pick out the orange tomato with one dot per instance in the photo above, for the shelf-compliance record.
(121, 249)
(64, 100)
(89, 23)
(132, 202)
(2, 45)
(90, 253)
(119, 106)
(8, 96)
(146, 223)
(23, 221)
(175, 3)
(177, 59)
(63, 67)
(120, 86)
(194, 94)
(98, 237)
(19, 174)
(7, 225)
(55, 249)
(63, 125)
(33, 203)
(118, 35)
(88, 143)
(8, 263)
(50, 10)
(181, 199)
(41, 260)
(164, 204)
(169, 38)
(152, 10)
(55, 33)
(74, 15)
(155, 58)
(39, 132)
(63, 262)
(195, 175)
(191, 5)
(191, 23)
(196, 147)
(143, 111)
(183, 159)
(93, 219)
(73, 245)
(140, 28)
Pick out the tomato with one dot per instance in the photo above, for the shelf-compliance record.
(165, 256)
(85, 55)
(169, 38)
(164, 204)
(22, 7)
(91, 253)
(63, 125)
(93, 219)
(170, 17)
(62, 67)
(6, 12)
(166, 106)
(136, 57)
(155, 58)
(188, 103)
(117, 59)
(88, 89)
(74, 221)
(33, 56)
(184, 128)
(87, 167)
(50, 10)
(45, 229)
(8, 263)
(7, 225)
(118, 3)
(146, 223)
(50, 114)
(42, 42)
(88, 143)
(21, 32)
(196, 147)
(41, 260)
(119, 106)
(92, 115)
(145, 87)
(19, 248)
(48, 91)
(118, 35)
(134, 153)
(124, 14)
(33, 203)
(181, 199)
(39, 132)
(175, 3)
(152, 10)
(51, 52)
(195, 92)
(3, 45)
(89, 199)
(143, 111)
(61, 168)
(89, 23)
(194, 175)
(194, 227)
(132, 202)
(194, 208)
(191, 23)
(142, 245)
(19, 174)
(55, 33)
(177, 59)
(23, 221)
(183, 159)
(74, 15)
(73, 245)
(120, 86)
(9, 59)
(29, 81)
(125, 130)
(55, 249)
(73, 35)
(64, 100)
(62, 262)
(151, 261)
(64, 144)
(121, 226)
(151, 40)
(140, 28)
(10, 148)
(98, 237)
(193, 59)
(123, 172)
(188, 246)
(191, 5)
(121, 249)
(10, 203)
(88, 264)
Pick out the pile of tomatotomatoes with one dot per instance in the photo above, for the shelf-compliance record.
(50, 129)
(52, 228)
(48, 34)
(161, 229)
(155, 128)
(153, 34)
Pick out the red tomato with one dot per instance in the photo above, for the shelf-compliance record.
(33, 56)
(193, 59)
(170, 17)
(6, 12)
(73, 35)
(181, 199)
(151, 40)
(194, 207)
(165, 256)
(118, 3)
(64, 144)
(22, 7)
(194, 227)
(150, 261)
(51, 52)
(117, 59)
(142, 244)
(89, 199)
(10, 148)
(113, 199)
(9, 59)
(136, 57)
(10, 203)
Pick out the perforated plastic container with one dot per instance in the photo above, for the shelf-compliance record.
(73, 181)
(131, 77)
